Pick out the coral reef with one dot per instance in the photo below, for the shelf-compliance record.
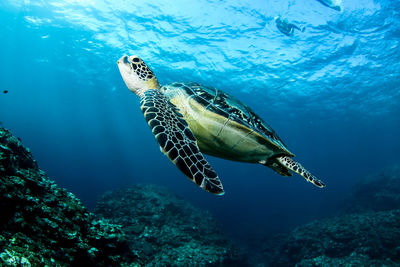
(168, 230)
(362, 239)
(376, 192)
(43, 225)
(365, 233)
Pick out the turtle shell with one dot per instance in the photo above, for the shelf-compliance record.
(229, 107)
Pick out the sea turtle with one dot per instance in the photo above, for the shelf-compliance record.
(334, 4)
(188, 119)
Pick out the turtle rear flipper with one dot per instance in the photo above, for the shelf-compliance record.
(277, 166)
(298, 168)
(177, 141)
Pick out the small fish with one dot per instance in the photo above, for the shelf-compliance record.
(5, 91)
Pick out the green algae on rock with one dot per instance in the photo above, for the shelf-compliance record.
(44, 225)
(168, 230)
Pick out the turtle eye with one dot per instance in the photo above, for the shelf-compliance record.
(126, 60)
(135, 59)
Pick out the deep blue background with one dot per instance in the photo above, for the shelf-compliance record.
(331, 93)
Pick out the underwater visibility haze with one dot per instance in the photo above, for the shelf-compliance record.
(328, 85)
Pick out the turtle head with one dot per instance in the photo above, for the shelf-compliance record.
(137, 76)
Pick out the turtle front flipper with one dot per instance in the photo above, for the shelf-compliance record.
(298, 168)
(177, 141)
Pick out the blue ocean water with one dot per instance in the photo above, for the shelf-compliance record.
(330, 92)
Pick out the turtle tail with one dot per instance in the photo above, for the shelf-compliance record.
(298, 168)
